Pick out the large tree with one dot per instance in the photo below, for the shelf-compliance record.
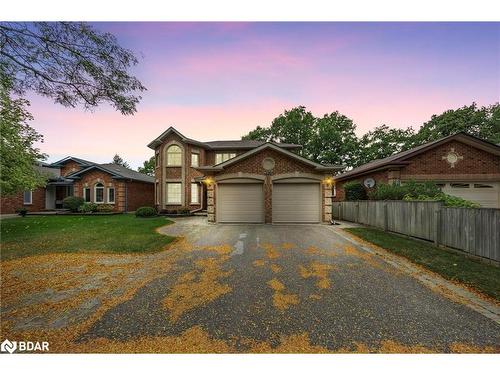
(334, 141)
(118, 160)
(483, 122)
(382, 142)
(72, 63)
(18, 154)
(148, 167)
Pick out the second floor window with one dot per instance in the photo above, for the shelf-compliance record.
(195, 160)
(174, 156)
(223, 156)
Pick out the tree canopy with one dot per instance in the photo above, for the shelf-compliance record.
(18, 154)
(148, 167)
(70, 62)
(331, 139)
(117, 159)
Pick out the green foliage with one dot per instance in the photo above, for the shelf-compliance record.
(354, 190)
(148, 167)
(448, 200)
(18, 156)
(117, 159)
(259, 134)
(481, 122)
(87, 207)
(73, 203)
(70, 62)
(388, 192)
(146, 212)
(382, 142)
(178, 211)
(105, 208)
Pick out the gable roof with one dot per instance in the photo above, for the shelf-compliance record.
(269, 145)
(79, 161)
(116, 171)
(216, 145)
(400, 158)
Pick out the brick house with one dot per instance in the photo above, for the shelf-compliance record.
(461, 164)
(241, 181)
(123, 188)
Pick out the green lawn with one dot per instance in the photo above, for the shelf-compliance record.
(33, 235)
(478, 275)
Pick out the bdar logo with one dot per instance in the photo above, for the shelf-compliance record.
(8, 346)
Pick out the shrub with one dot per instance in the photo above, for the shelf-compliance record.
(354, 191)
(22, 211)
(87, 207)
(448, 200)
(73, 203)
(183, 210)
(145, 212)
(105, 208)
(427, 188)
(384, 192)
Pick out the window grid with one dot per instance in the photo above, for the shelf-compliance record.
(174, 156)
(99, 193)
(223, 156)
(195, 160)
(195, 193)
(174, 193)
(111, 195)
(86, 194)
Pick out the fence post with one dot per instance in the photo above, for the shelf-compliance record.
(357, 212)
(340, 210)
(386, 219)
(437, 226)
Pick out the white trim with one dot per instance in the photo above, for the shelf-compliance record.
(95, 192)
(197, 195)
(31, 197)
(197, 154)
(166, 193)
(180, 153)
(90, 194)
(114, 195)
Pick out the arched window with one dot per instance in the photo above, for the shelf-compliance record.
(174, 156)
(99, 193)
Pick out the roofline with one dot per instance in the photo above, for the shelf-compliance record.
(58, 163)
(317, 166)
(484, 145)
(159, 140)
(114, 176)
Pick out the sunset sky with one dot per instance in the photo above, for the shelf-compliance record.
(220, 80)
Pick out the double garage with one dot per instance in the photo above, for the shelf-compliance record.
(293, 201)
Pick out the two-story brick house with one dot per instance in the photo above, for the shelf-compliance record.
(241, 181)
(461, 164)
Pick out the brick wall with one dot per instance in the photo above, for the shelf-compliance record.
(139, 194)
(474, 161)
(94, 176)
(9, 204)
(70, 167)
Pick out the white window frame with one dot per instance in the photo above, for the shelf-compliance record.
(114, 195)
(31, 197)
(95, 192)
(84, 195)
(197, 195)
(173, 164)
(168, 201)
(334, 190)
(196, 157)
(221, 157)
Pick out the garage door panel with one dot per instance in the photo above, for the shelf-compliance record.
(240, 203)
(486, 194)
(296, 203)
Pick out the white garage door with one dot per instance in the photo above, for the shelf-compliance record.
(487, 194)
(296, 203)
(240, 203)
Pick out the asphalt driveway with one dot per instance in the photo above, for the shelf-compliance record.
(289, 288)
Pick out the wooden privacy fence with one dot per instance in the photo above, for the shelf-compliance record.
(472, 230)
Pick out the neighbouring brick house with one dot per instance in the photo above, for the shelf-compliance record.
(121, 187)
(461, 164)
(240, 181)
